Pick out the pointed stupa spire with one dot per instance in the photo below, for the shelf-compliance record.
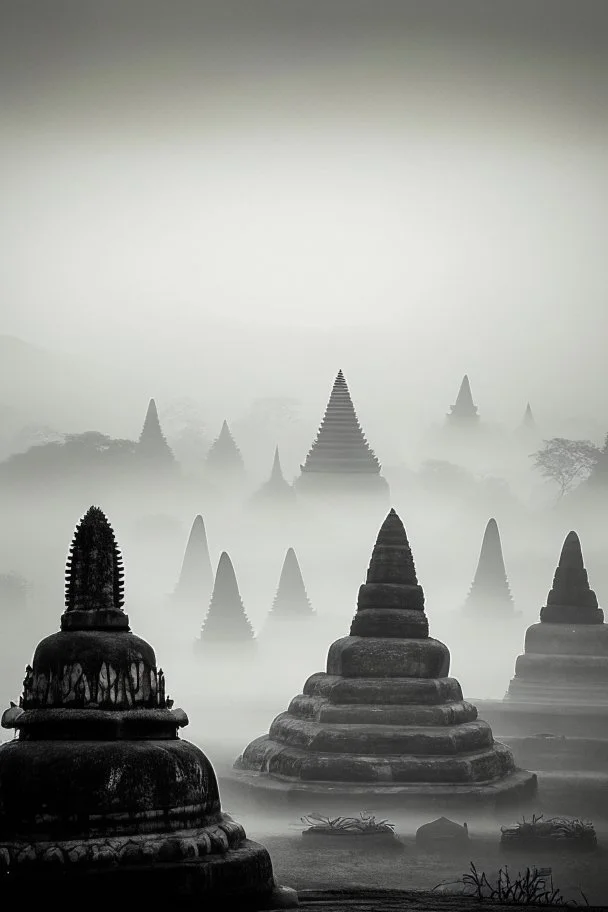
(226, 621)
(152, 444)
(276, 474)
(340, 445)
(490, 593)
(276, 490)
(94, 588)
(391, 601)
(291, 599)
(464, 409)
(528, 419)
(196, 577)
(571, 600)
(224, 455)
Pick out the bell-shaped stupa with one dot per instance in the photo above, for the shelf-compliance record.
(464, 411)
(340, 459)
(98, 792)
(385, 719)
(196, 578)
(565, 659)
(226, 625)
(490, 596)
(152, 449)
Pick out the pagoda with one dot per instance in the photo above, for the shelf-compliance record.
(98, 793)
(227, 624)
(224, 456)
(385, 720)
(152, 447)
(464, 411)
(196, 577)
(291, 603)
(275, 492)
(565, 659)
(340, 458)
(489, 596)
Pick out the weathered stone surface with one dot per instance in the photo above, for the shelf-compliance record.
(385, 714)
(98, 784)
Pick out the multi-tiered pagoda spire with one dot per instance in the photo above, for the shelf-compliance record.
(226, 623)
(490, 595)
(340, 445)
(196, 578)
(152, 445)
(464, 410)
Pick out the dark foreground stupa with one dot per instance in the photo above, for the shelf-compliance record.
(341, 460)
(490, 597)
(565, 659)
(98, 794)
(385, 719)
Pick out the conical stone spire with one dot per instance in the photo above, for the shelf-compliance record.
(340, 445)
(490, 594)
(94, 590)
(291, 599)
(276, 490)
(226, 621)
(571, 600)
(528, 421)
(152, 444)
(196, 577)
(385, 718)
(464, 409)
(224, 455)
(391, 602)
(565, 658)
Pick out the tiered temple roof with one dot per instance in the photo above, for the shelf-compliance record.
(99, 795)
(464, 410)
(340, 445)
(385, 719)
(226, 623)
(196, 577)
(565, 658)
(152, 445)
(490, 595)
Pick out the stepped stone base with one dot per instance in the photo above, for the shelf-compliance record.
(520, 718)
(517, 789)
(558, 753)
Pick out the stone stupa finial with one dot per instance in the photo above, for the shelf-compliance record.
(391, 601)
(571, 600)
(94, 587)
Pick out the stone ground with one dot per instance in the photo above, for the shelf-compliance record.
(392, 901)
(296, 864)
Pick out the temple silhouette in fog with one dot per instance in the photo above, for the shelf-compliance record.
(196, 578)
(463, 414)
(276, 492)
(226, 627)
(152, 448)
(490, 596)
(340, 459)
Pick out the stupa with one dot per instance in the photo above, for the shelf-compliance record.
(98, 793)
(226, 624)
(276, 492)
(464, 411)
(490, 597)
(341, 459)
(291, 603)
(196, 577)
(152, 447)
(224, 456)
(385, 720)
(565, 659)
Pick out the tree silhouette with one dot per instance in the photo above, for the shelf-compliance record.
(566, 462)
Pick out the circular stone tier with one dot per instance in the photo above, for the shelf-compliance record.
(385, 719)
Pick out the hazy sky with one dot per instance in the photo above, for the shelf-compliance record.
(432, 172)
